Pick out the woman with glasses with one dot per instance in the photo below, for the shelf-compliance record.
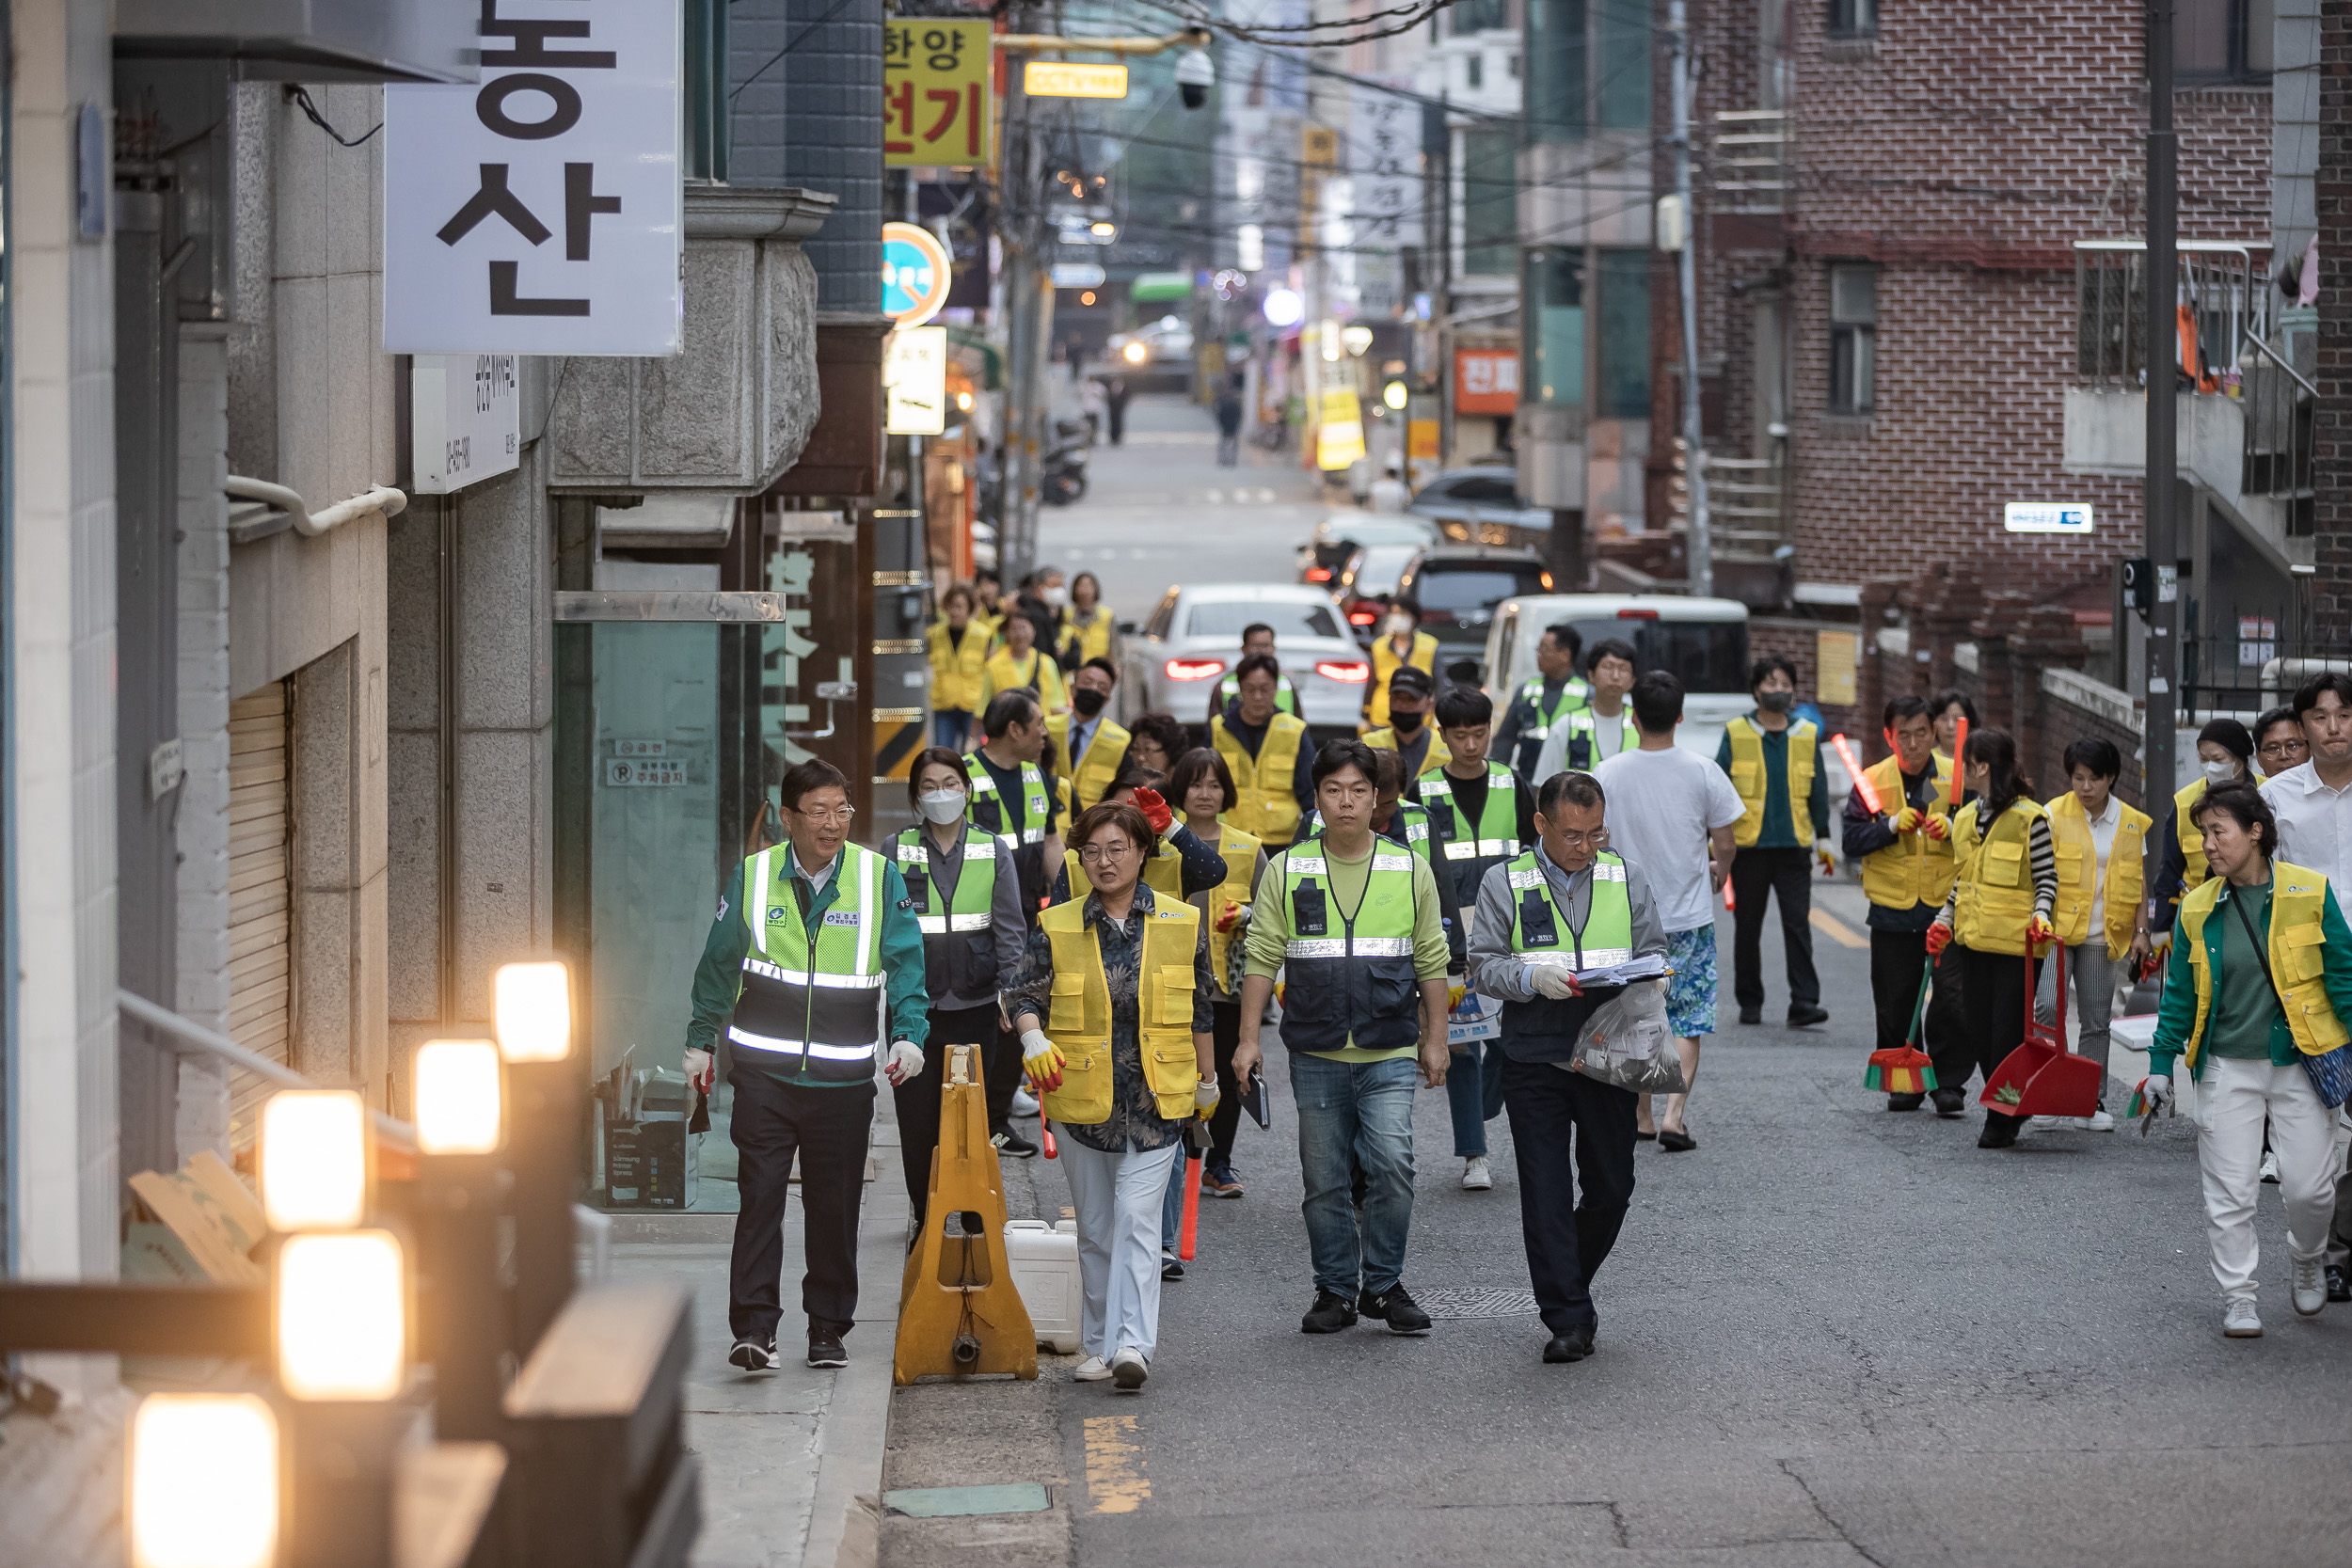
(2225, 754)
(1112, 1003)
(1156, 741)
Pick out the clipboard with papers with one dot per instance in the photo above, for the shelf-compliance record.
(1649, 966)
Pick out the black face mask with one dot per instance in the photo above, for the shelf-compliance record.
(1089, 703)
(1775, 702)
(1407, 723)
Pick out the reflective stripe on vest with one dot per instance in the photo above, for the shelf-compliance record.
(1995, 877)
(2297, 949)
(1583, 724)
(1608, 922)
(1752, 777)
(817, 999)
(1031, 827)
(970, 907)
(1263, 804)
(1573, 694)
(1354, 980)
(1416, 827)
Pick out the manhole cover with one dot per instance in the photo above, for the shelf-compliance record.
(1475, 1301)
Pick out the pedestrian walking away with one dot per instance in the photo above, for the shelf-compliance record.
(965, 894)
(1566, 906)
(809, 937)
(1120, 1065)
(1390, 497)
(1229, 421)
(1997, 915)
(1266, 752)
(1904, 848)
(1552, 692)
(1352, 922)
(2260, 983)
(1775, 762)
(2102, 920)
(1203, 787)
(1673, 819)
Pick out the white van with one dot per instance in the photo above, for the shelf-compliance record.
(1702, 641)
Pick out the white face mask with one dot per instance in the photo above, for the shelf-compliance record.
(942, 806)
(2221, 772)
(1055, 597)
(1399, 625)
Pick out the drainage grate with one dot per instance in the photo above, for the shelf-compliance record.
(1475, 1301)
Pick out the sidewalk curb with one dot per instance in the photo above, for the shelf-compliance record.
(845, 1514)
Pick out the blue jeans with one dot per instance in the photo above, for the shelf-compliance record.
(1350, 1115)
(951, 728)
(1473, 1091)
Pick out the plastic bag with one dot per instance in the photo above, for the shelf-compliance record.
(1627, 1043)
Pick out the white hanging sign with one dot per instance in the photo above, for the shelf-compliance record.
(464, 420)
(540, 211)
(915, 381)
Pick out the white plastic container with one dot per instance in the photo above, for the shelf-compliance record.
(1044, 1259)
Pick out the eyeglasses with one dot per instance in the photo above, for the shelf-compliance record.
(826, 818)
(1096, 854)
(1595, 839)
(2282, 748)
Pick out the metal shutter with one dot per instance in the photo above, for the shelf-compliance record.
(260, 907)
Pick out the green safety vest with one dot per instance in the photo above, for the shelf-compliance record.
(968, 913)
(1349, 981)
(812, 996)
(1582, 726)
(1035, 800)
(1416, 828)
(1545, 1029)
(1496, 835)
(1529, 743)
(1285, 695)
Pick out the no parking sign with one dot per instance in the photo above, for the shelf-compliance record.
(915, 274)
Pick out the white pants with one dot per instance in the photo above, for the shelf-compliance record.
(1118, 1198)
(2232, 1100)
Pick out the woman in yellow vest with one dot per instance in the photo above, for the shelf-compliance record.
(1203, 789)
(1089, 629)
(2258, 987)
(2225, 754)
(1401, 643)
(958, 650)
(1112, 1004)
(1021, 662)
(1999, 908)
(2100, 915)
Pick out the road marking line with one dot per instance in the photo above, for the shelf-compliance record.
(1837, 930)
(1115, 1479)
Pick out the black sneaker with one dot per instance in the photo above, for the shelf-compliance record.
(825, 1349)
(756, 1355)
(1012, 1143)
(1906, 1102)
(1171, 1267)
(1574, 1345)
(1330, 1313)
(1394, 1307)
(1800, 1017)
(2339, 1288)
(2000, 1131)
(1751, 1015)
(1949, 1103)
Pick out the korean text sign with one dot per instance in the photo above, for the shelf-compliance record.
(540, 211)
(937, 97)
(1486, 381)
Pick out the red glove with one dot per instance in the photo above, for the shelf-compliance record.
(1936, 827)
(1226, 918)
(1939, 938)
(2040, 929)
(1154, 810)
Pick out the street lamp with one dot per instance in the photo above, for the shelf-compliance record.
(458, 1097)
(546, 1091)
(341, 1311)
(314, 1160)
(534, 1010)
(202, 1483)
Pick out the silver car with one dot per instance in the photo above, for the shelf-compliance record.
(1193, 640)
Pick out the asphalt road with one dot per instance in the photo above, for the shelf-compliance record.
(1829, 1335)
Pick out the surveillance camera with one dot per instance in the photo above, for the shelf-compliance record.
(1195, 75)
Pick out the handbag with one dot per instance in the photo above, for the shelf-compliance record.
(2331, 1072)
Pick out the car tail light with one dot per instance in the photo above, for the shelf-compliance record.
(1318, 573)
(1637, 615)
(1546, 578)
(1353, 671)
(1360, 617)
(1194, 669)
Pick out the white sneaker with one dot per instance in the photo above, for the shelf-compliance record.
(1023, 1103)
(1476, 1177)
(1092, 1370)
(1129, 1370)
(2098, 1121)
(2310, 1286)
(2270, 1166)
(2239, 1321)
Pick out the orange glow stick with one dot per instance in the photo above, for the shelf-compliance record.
(1869, 791)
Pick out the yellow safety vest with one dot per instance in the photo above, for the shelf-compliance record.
(1002, 673)
(1440, 754)
(2299, 899)
(1100, 766)
(1385, 663)
(1265, 806)
(2078, 873)
(1240, 852)
(1078, 1018)
(1749, 776)
(1995, 875)
(1090, 635)
(1915, 869)
(956, 667)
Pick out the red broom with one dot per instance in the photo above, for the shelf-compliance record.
(1905, 1069)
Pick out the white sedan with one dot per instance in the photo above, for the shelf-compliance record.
(1193, 638)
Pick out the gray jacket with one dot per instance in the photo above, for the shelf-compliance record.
(1005, 929)
(1496, 971)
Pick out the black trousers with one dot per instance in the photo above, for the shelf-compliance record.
(1946, 1023)
(1568, 1240)
(828, 1129)
(1994, 988)
(1898, 959)
(1787, 875)
(917, 1099)
(1000, 1074)
(1225, 1028)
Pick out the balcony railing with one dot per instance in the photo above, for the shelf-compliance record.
(1749, 170)
(1747, 505)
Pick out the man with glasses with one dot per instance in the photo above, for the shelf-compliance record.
(809, 936)
(2279, 742)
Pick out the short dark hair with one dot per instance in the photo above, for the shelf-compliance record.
(2245, 803)
(1577, 789)
(1257, 664)
(945, 757)
(1252, 629)
(2230, 736)
(1347, 751)
(1410, 607)
(1461, 707)
(1413, 678)
(1565, 636)
(1105, 665)
(1657, 699)
(1612, 647)
(1191, 767)
(1164, 730)
(1139, 776)
(1388, 767)
(1112, 814)
(1762, 669)
(1908, 706)
(1941, 700)
(1007, 709)
(2094, 753)
(802, 777)
(2307, 694)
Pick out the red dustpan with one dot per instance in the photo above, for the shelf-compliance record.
(2041, 1078)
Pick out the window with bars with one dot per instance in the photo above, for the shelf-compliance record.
(1853, 318)
(2220, 41)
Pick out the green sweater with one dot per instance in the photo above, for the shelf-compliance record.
(2242, 997)
(1270, 927)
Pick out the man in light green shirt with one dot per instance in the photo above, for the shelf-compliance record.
(1352, 924)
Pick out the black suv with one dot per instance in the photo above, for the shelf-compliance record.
(1457, 586)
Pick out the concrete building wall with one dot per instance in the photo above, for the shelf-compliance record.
(203, 825)
(808, 118)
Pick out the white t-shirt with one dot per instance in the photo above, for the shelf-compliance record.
(1662, 806)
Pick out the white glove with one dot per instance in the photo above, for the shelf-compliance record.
(2157, 1092)
(1554, 981)
(906, 1061)
(1205, 1094)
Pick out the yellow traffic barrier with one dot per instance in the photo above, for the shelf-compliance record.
(958, 1311)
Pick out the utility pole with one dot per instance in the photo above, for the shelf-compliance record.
(2164, 654)
(1016, 530)
(1700, 544)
